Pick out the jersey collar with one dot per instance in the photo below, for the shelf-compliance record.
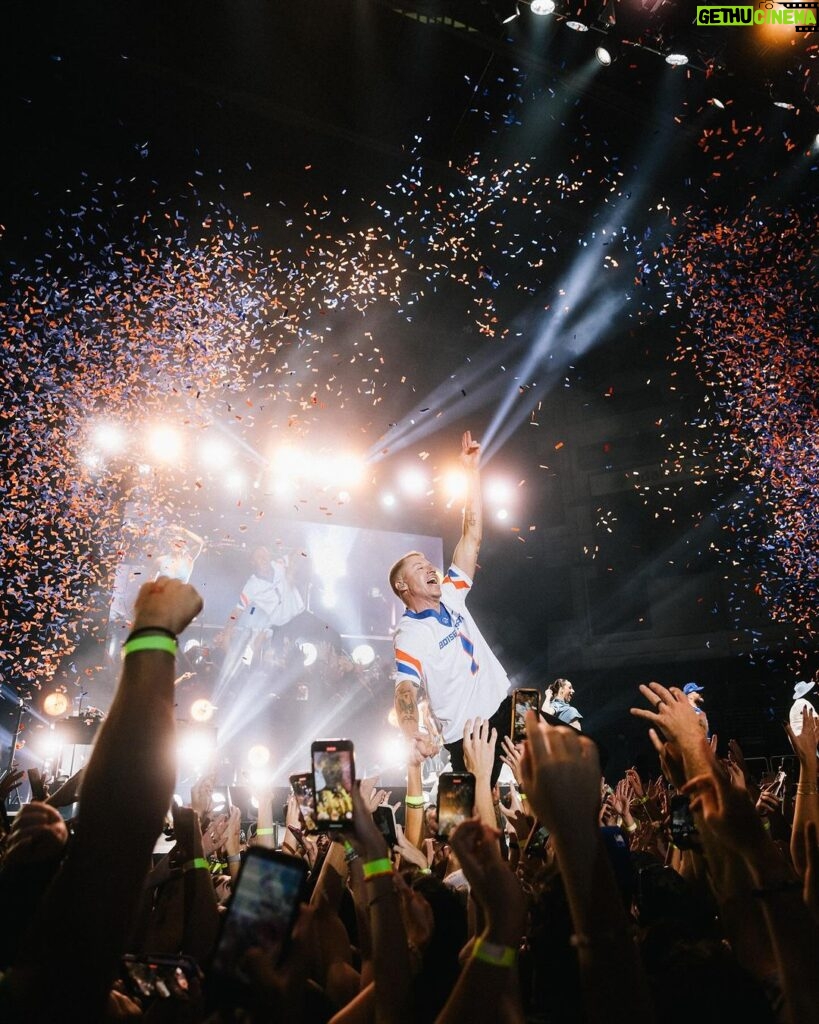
(443, 616)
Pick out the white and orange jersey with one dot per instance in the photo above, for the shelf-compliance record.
(445, 653)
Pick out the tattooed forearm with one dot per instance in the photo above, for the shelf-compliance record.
(406, 705)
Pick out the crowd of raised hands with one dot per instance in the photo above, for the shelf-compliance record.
(691, 895)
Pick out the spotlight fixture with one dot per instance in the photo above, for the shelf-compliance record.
(542, 7)
(676, 59)
(202, 710)
(506, 10)
(604, 56)
(109, 438)
(363, 655)
(388, 500)
(258, 755)
(717, 103)
(577, 26)
(55, 704)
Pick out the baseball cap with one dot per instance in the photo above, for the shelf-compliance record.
(692, 688)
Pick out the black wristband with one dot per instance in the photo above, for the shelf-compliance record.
(152, 630)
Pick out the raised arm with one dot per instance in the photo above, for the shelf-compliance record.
(466, 552)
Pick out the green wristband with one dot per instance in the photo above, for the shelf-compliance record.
(414, 801)
(197, 862)
(149, 643)
(497, 956)
(265, 831)
(376, 868)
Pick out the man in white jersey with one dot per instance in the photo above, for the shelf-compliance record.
(437, 644)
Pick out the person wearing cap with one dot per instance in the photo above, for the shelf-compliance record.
(692, 691)
(799, 702)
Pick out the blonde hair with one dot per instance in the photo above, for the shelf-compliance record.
(398, 568)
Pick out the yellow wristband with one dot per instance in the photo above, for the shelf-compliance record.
(414, 801)
(265, 831)
(149, 643)
(497, 956)
(197, 862)
(376, 868)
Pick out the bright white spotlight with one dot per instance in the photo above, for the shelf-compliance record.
(784, 104)
(394, 750)
(92, 460)
(577, 26)
(202, 710)
(498, 491)
(196, 748)
(676, 59)
(363, 654)
(49, 745)
(55, 704)
(164, 443)
(455, 484)
(542, 7)
(310, 652)
(502, 514)
(109, 438)
(346, 471)
(214, 453)
(603, 54)
(343, 497)
(258, 755)
(510, 15)
(413, 481)
(717, 103)
(235, 480)
(388, 500)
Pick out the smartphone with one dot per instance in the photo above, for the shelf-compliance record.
(333, 778)
(159, 977)
(261, 914)
(535, 845)
(384, 817)
(774, 783)
(35, 780)
(302, 786)
(522, 701)
(683, 829)
(456, 800)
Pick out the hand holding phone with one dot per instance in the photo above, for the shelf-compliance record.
(261, 915)
(522, 701)
(456, 801)
(333, 780)
(302, 786)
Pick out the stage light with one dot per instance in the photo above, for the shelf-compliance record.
(394, 750)
(577, 26)
(502, 514)
(202, 710)
(235, 480)
(164, 443)
(413, 482)
(363, 654)
(343, 497)
(604, 55)
(676, 59)
(717, 103)
(214, 453)
(310, 652)
(55, 704)
(455, 484)
(498, 492)
(109, 438)
(506, 10)
(346, 470)
(49, 744)
(542, 7)
(388, 500)
(196, 748)
(258, 755)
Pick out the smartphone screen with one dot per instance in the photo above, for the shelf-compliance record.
(333, 778)
(35, 780)
(261, 914)
(683, 828)
(302, 786)
(522, 701)
(456, 800)
(384, 817)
